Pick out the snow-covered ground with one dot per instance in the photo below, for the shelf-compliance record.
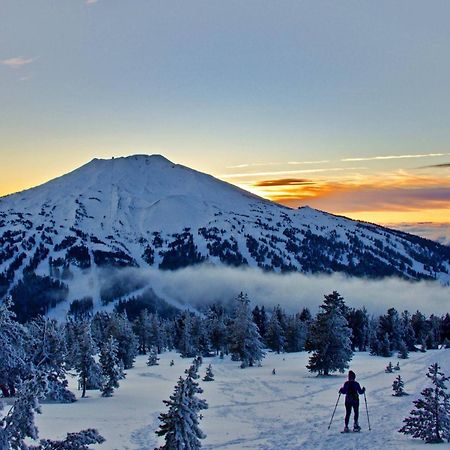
(252, 408)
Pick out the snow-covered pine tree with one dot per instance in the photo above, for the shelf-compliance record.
(18, 423)
(275, 335)
(85, 350)
(403, 350)
(192, 387)
(398, 386)
(186, 343)
(397, 366)
(109, 363)
(47, 347)
(245, 341)
(14, 364)
(408, 336)
(121, 329)
(209, 376)
(296, 333)
(391, 325)
(157, 333)
(179, 425)
(74, 441)
(141, 327)
(216, 329)
(430, 420)
(153, 357)
(330, 337)
(389, 368)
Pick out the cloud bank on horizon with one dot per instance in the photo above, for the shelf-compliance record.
(205, 284)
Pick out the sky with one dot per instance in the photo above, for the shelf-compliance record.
(343, 106)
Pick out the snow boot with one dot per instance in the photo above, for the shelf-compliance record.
(346, 430)
(356, 428)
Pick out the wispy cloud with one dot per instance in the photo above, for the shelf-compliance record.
(268, 164)
(381, 158)
(90, 2)
(17, 62)
(436, 166)
(286, 172)
(284, 182)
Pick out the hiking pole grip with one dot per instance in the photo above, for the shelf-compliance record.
(367, 410)
(335, 406)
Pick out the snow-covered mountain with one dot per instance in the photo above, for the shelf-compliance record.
(142, 211)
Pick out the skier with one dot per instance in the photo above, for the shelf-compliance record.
(352, 389)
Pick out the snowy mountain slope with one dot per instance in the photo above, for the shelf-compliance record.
(142, 211)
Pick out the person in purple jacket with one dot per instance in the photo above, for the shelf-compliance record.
(351, 390)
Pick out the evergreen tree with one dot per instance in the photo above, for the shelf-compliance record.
(84, 362)
(408, 334)
(245, 341)
(296, 334)
(209, 376)
(420, 326)
(275, 336)
(398, 387)
(141, 327)
(186, 344)
(390, 324)
(121, 329)
(260, 318)
(216, 329)
(74, 441)
(389, 368)
(180, 425)
(433, 336)
(153, 357)
(403, 351)
(18, 424)
(47, 350)
(109, 363)
(358, 322)
(330, 337)
(14, 361)
(430, 420)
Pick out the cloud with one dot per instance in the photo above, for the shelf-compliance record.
(439, 232)
(436, 166)
(380, 158)
(286, 172)
(17, 62)
(205, 284)
(284, 182)
(267, 164)
(395, 191)
(90, 2)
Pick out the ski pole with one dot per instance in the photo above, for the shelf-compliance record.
(335, 406)
(367, 410)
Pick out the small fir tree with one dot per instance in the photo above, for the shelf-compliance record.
(209, 376)
(109, 363)
(180, 424)
(153, 357)
(389, 368)
(397, 366)
(430, 420)
(245, 341)
(403, 350)
(398, 386)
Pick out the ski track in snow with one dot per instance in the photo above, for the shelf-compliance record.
(251, 408)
